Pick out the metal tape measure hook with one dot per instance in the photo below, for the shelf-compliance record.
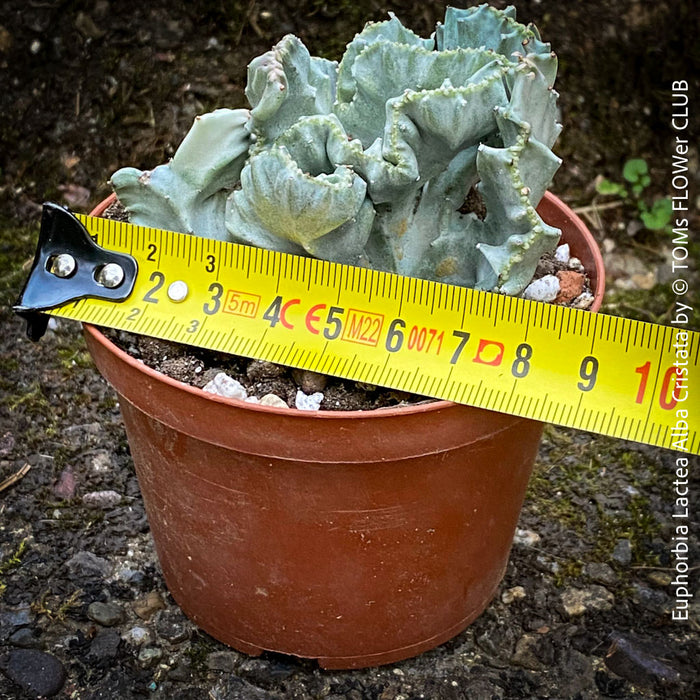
(68, 266)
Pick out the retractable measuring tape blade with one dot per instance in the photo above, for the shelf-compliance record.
(604, 374)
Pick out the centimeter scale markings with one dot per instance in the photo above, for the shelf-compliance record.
(604, 374)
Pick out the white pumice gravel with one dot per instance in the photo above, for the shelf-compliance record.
(308, 402)
(543, 289)
(228, 387)
(562, 253)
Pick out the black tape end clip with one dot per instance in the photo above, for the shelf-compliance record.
(37, 323)
(68, 266)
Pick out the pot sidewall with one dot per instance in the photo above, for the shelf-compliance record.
(356, 538)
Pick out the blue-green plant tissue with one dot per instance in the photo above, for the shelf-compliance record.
(425, 157)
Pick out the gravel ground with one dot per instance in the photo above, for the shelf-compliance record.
(584, 608)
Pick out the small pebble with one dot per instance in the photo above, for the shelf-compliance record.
(64, 488)
(512, 594)
(602, 573)
(24, 638)
(101, 462)
(577, 601)
(562, 253)
(273, 400)
(137, 636)
(659, 579)
(88, 564)
(173, 626)
(106, 614)
(261, 369)
(102, 499)
(543, 289)
(309, 382)
(145, 607)
(576, 264)
(570, 286)
(622, 553)
(527, 538)
(526, 653)
(105, 644)
(16, 617)
(149, 656)
(306, 402)
(583, 301)
(228, 387)
(129, 575)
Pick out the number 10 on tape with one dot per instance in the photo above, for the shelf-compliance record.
(604, 374)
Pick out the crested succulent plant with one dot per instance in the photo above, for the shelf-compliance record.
(425, 157)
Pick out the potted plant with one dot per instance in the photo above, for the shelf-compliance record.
(357, 538)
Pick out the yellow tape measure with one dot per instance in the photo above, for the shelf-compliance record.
(608, 375)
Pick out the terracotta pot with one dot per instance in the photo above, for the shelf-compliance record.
(356, 538)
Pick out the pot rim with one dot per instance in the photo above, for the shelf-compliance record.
(428, 406)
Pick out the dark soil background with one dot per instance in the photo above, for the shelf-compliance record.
(584, 609)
